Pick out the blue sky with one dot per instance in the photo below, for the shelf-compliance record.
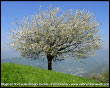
(19, 9)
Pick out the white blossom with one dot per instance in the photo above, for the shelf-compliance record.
(47, 32)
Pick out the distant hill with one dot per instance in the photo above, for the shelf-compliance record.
(94, 64)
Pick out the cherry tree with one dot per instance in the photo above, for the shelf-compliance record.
(56, 33)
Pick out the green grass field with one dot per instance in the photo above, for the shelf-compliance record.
(22, 74)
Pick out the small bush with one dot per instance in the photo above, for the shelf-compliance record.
(101, 77)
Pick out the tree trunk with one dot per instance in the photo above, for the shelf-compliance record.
(49, 57)
(49, 64)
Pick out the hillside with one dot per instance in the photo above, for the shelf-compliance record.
(22, 74)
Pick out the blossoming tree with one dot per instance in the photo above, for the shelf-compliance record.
(55, 33)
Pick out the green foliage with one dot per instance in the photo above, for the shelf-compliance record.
(17, 73)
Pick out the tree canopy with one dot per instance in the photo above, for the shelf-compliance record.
(55, 32)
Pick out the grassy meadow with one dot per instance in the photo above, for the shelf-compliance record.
(16, 74)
